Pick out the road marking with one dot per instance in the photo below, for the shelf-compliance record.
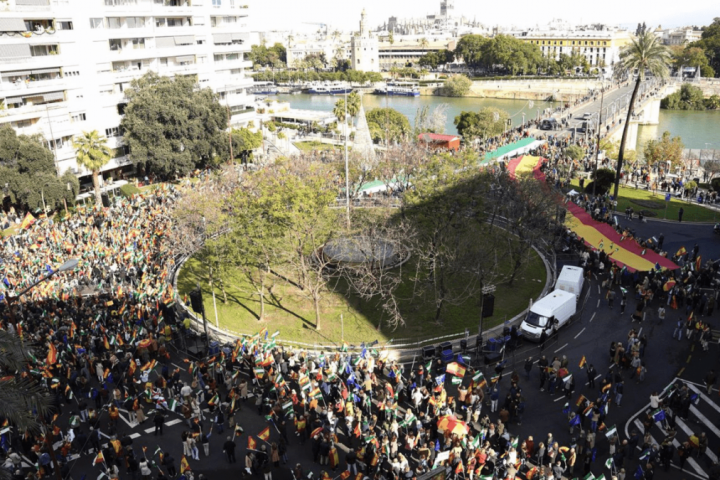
(172, 422)
(598, 304)
(639, 332)
(580, 332)
(561, 348)
(676, 444)
(703, 396)
(588, 383)
(703, 419)
(593, 316)
(134, 435)
(558, 399)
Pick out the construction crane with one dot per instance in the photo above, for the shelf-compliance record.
(324, 25)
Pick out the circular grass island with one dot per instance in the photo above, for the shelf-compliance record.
(344, 315)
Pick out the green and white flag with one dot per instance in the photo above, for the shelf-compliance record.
(589, 476)
(456, 380)
(287, 406)
(171, 405)
(486, 477)
(612, 431)
(601, 477)
(476, 442)
(514, 443)
(567, 378)
(609, 462)
(477, 376)
(277, 332)
(428, 365)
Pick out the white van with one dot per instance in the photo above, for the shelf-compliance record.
(548, 314)
(571, 280)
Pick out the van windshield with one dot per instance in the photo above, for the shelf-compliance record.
(536, 320)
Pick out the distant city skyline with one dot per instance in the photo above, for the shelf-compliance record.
(290, 15)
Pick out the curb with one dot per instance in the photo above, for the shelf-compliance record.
(399, 354)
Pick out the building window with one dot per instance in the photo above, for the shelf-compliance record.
(78, 117)
(97, 23)
(62, 25)
(113, 132)
(217, 3)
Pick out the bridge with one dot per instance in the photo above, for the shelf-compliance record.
(611, 110)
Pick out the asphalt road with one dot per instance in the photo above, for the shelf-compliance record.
(590, 335)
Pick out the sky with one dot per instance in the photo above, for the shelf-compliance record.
(344, 15)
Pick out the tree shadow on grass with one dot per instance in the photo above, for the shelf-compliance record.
(277, 304)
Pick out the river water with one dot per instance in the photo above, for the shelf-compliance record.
(695, 128)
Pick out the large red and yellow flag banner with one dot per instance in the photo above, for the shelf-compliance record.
(622, 250)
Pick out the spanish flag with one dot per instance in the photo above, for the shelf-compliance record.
(52, 355)
(582, 361)
(27, 221)
(184, 465)
(99, 459)
(456, 369)
(105, 343)
(265, 434)
(580, 400)
(681, 252)
(252, 444)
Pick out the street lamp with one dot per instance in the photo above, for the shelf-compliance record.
(66, 266)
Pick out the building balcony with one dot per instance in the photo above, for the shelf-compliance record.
(29, 88)
(233, 48)
(237, 99)
(242, 117)
(40, 5)
(45, 61)
(178, 69)
(28, 112)
(222, 83)
(231, 65)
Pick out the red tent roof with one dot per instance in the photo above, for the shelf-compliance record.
(436, 137)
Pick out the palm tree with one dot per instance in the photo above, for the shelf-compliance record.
(92, 153)
(646, 53)
(19, 396)
(424, 44)
(353, 107)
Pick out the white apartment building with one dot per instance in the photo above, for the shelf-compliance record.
(64, 64)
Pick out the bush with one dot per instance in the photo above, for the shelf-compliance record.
(128, 190)
(601, 189)
(715, 184)
(457, 86)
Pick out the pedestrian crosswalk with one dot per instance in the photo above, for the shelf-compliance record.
(692, 412)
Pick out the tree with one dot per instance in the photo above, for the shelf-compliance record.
(710, 44)
(92, 153)
(457, 86)
(353, 107)
(430, 122)
(172, 126)
(27, 166)
(486, 123)
(575, 152)
(424, 43)
(689, 97)
(245, 141)
(470, 48)
(645, 53)
(664, 150)
(387, 124)
(22, 399)
(604, 178)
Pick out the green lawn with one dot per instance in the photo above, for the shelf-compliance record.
(314, 145)
(291, 313)
(630, 197)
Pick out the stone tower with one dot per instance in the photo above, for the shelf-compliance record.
(365, 54)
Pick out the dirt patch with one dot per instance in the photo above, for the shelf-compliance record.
(649, 204)
(648, 213)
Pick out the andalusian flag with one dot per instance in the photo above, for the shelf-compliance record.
(184, 465)
(265, 434)
(456, 369)
(612, 431)
(344, 347)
